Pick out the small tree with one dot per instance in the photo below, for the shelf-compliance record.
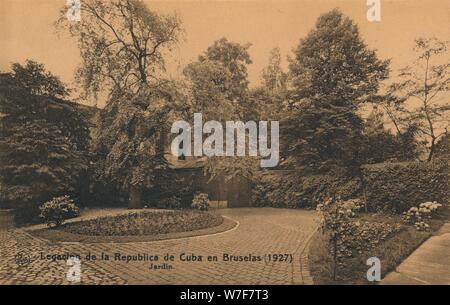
(201, 202)
(426, 82)
(335, 222)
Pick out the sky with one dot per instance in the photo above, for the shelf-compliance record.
(27, 31)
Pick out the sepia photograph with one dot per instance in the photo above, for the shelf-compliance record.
(213, 145)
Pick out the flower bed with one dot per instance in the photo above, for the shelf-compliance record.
(145, 223)
(384, 236)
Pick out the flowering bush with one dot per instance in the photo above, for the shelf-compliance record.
(353, 206)
(201, 202)
(367, 235)
(422, 226)
(335, 221)
(346, 235)
(55, 211)
(418, 216)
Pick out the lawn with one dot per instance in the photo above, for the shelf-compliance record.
(391, 252)
(139, 226)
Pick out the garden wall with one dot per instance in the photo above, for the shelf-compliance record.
(395, 187)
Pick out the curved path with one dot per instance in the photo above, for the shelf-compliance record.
(261, 232)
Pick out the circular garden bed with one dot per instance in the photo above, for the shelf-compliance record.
(139, 226)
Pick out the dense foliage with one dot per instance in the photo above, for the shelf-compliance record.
(201, 202)
(43, 147)
(33, 78)
(333, 73)
(273, 76)
(287, 189)
(55, 211)
(346, 235)
(129, 142)
(396, 187)
(122, 45)
(234, 57)
(380, 145)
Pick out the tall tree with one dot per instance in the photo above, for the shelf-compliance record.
(333, 72)
(235, 58)
(212, 83)
(422, 90)
(122, 44)
(43, 141)
(36, 80)
(210, 86)
(274, 79)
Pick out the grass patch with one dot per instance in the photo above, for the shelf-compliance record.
(391, 252)
(140, 226)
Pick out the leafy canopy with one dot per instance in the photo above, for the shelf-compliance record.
(33, 78)
(122, 44)
(43, 144)
(235, 58)
(332, 73)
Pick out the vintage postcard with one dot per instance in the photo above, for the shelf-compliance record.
(245, 142)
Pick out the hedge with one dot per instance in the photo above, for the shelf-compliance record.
(395, 187)
(287, 189)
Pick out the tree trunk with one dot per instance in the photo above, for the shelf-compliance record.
(432, 148)
(335, 259)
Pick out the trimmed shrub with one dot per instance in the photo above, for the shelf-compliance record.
(396, 187)
(57, 210)
(289, 190)
(201, 202)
